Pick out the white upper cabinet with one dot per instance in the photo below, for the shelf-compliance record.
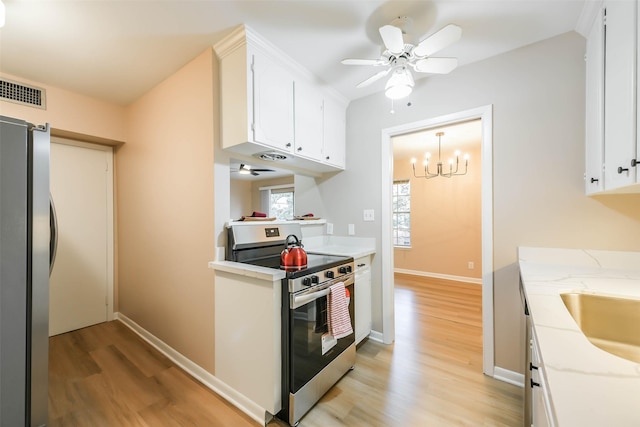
(611, 99)
(334, 133)
(273, 123)
(309, 120)
(269, 103)
(594, 154)
(620, 93)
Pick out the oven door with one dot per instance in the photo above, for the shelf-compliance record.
(311, 346)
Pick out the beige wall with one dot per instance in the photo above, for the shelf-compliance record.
(165, 211)
(241, 199)
(70, 112)
(446, 229)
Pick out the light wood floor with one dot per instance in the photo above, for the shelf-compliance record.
(431, 376)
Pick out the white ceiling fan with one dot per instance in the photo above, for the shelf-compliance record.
(400, 55)
(248, 169)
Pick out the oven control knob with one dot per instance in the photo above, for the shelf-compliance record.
(306, 281)
(315, 279)
(329, 274)
(344, 269)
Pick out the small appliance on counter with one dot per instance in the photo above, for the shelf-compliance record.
(293, 256)
(313, 359)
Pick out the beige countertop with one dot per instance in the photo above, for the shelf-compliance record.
(588, 386)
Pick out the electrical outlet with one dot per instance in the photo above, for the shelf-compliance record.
(352, 230)
(368, 215)
(470, 265)
(329, 228)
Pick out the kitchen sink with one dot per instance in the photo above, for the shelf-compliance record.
(610, 323)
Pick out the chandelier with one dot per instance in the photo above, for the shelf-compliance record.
(439, 167)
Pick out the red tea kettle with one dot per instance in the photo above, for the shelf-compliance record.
(293, 255)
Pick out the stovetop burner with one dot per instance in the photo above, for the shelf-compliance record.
(315, 263)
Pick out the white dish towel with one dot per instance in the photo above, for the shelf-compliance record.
(339, 319)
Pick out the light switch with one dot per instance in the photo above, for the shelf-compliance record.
(369, 215)
(352, 229)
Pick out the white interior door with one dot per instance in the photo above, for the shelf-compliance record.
(81, 283)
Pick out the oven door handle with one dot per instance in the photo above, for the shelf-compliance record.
(300, 300)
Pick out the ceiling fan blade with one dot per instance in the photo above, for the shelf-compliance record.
(352, 61)
(392, 38)
(439, 40)
(254, 173)
(436, 65)
(373, 78)
(262, 170)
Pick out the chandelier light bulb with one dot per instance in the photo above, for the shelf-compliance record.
(413, 160)
(440, 168)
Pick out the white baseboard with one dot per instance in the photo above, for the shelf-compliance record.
(507, 376)
(196, 371)
(439, 276)
(376, 336)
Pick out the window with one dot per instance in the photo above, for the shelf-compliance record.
(281, 203)
(402, 213)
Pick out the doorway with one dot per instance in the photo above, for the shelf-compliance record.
(485, 115)
(437, 209)
(81, 282)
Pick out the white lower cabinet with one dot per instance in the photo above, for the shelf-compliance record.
(541, 414)
(363, 297)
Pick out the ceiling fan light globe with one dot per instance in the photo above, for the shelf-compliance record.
(398, 91)
(399, 85)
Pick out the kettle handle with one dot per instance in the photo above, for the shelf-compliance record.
(297, 242)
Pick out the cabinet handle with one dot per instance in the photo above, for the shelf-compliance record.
(594, 180)
(621, 169)
(532, 366)
(299, 148)
(361, 265)
(327, 157)
(534, 384)
(634, 163)
(288, 145)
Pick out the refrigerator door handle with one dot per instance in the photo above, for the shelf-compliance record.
(53, 242)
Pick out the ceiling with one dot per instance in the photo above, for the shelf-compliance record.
(117, 50)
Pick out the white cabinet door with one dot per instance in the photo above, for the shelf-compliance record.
(363, 298)
(620, 93)
(334, 133)
(594, 132)
(541, 415)
(273, 103)
(308, 120)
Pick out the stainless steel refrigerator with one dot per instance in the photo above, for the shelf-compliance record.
(25, 259)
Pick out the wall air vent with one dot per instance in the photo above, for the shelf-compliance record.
(22, 94)
(271, 156)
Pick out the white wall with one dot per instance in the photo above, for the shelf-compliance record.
(537, 94)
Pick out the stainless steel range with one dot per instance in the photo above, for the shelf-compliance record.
(313, 359)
